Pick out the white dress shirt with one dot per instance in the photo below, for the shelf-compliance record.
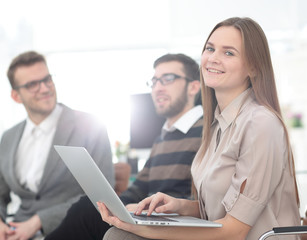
(186, 121)
(34, 148)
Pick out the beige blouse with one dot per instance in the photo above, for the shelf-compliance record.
(248, 144)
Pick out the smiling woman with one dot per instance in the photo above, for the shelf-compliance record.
(244, 165)
(224, 65)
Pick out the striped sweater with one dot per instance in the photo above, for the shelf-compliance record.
(168, 168)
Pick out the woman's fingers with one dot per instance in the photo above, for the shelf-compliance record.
(112, 220)
(152, 203)
(157, 200)
(103, 212)
(143, 205)
(105, 215)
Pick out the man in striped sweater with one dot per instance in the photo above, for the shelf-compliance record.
(175, 93)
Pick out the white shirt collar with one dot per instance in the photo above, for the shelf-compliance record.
(47, 124)
(184, 123)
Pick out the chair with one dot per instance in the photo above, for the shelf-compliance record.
(284, 231)
(122, 174)
(291, 230)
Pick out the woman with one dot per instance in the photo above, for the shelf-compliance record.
(244, 171)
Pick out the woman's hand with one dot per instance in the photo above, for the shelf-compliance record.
(160, 203)
(144, 231)
(112, 220)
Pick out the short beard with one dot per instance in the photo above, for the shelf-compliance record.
(177, 107)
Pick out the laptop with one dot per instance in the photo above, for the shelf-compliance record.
(98, 189)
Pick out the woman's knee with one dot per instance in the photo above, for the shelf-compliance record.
(116, 234)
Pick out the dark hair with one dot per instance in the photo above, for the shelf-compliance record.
(24, 59)
(191, 68)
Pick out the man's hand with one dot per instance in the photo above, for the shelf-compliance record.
(25, 230)
(5, 231)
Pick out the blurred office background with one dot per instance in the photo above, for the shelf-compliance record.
(100, 52)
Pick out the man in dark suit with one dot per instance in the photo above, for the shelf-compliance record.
(29, 165)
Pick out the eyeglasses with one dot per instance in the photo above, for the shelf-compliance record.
(34, 86)
(165, 79)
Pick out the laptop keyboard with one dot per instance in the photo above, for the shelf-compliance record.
(152, 218)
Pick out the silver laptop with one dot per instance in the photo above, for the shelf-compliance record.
(98, 189)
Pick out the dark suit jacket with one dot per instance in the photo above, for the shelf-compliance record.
(58, 188)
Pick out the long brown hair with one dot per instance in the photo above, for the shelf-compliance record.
(262, 80)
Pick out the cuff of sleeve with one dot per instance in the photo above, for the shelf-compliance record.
(41, 217)
(3, 215)
(241, 207)
(46, 222)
